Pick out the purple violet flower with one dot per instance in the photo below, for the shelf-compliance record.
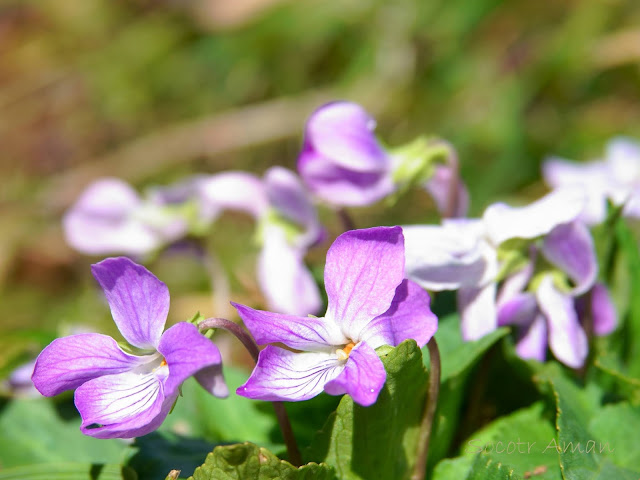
(343, 163)
(370, 304)
(617, 178)
(110, 218)
(121, 394)
(525, 266)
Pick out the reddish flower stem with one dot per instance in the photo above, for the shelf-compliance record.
(426, 426)
(281, 414)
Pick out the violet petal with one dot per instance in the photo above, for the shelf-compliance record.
(284, 375)
(478, 314)
(339, 186)
(343, 133)
(570, 248)
(284, 279)
(289, 198)
(234, 191)
(301, 333)
(449, 256)
(363, 376)
(362, 272)
(124, 405)
(567, 339)
(186, 352)
(68, 362)
(521, 309)
(139, 301)
(533, 340)
(439, 187)
(504, 222)
(605, 318)
(408, 317)
(101, 221)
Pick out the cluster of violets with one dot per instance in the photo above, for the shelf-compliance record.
(532, 267)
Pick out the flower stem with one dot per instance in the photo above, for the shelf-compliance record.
(251, 346)
(232, 327)
(346, 220)
(420, 468)
(218, 278)
(451, 208)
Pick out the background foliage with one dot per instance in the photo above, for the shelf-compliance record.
(152, 90)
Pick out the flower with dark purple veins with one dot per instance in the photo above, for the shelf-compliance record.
(370, 304)
(128, 392)
(344, 164)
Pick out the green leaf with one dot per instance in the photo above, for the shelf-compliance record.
(457, 359)
(199, 414)
(248, 461)
(160, 452)
(488, 469)
(631, 255)
(582, 456)
(480, 467)
(611, 366)
(616, 425)
(68, 471)
(39, 430)
(520, 442)
(379, 441)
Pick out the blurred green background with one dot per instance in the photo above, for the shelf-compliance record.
(152, 90)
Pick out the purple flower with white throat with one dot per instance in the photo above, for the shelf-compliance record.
(121, 394)
(517, 265)
(370, 304)
(343, 163)
(616, 177)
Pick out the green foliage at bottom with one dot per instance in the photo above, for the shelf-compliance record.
(379, 441)
(68, 471)
(248, 461)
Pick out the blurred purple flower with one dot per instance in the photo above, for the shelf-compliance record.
(370, 304)
(110, 218)
(343, 163)
(617, 178)
(493, 263)
(125, 395)
(288, 226)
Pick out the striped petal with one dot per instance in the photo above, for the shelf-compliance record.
(125, 405)
(408, 317)
(139, 301)
(363, 270)
(363, 376)
(300, 333)
(282, 375)
(567, 339)
(69, 362)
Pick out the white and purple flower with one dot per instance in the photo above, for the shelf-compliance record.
(370, 304)
(525, 266)
(121, 394)
(110, 218)
(616, 178)
(343, 163)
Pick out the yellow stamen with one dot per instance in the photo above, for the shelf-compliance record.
(343, 353)
(163, 363)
